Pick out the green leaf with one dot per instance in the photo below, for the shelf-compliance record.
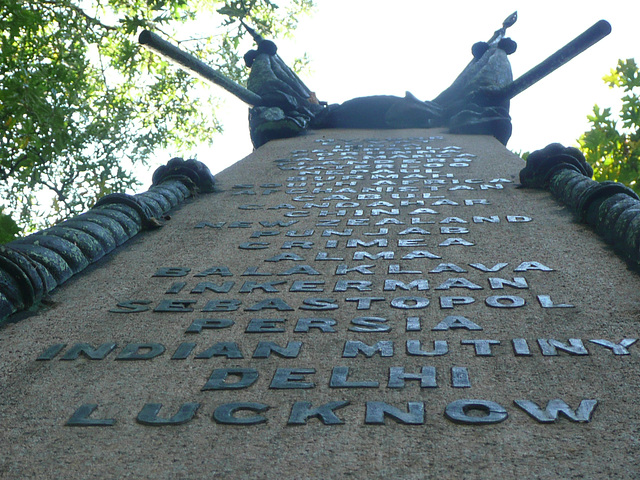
(8, 228)
(82, 105)
(612, 145)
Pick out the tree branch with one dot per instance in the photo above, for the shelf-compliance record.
(82, 13)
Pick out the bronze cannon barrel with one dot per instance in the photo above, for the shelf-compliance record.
(193, 64)
(572, 49)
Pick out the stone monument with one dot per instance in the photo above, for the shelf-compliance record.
(343, 303)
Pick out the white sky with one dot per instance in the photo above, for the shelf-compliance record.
(370, 47)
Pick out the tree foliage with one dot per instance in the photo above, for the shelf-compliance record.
(81, 102)
(612, 146)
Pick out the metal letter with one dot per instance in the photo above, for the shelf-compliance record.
(440, 347)
(80, 418)
(289, 378)
(225, 414)
(427, 377)
(459, 412)
(132, 351)
(460, 377)
(557, 406)
(149, 414)
(302, 411)
(377, 411)
(455, 321)
(218, 379)
(339, 380)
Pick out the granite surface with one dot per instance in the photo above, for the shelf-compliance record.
(400, 252)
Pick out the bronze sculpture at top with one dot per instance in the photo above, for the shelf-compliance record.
(477, 102)
(462, 107)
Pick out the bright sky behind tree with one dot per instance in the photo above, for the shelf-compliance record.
(373, 47)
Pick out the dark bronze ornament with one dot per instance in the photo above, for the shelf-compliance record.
(476, 103)
(33, 266)
(611, 208)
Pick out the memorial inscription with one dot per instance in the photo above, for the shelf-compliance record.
(361, 277)
(313, 302)
(362, 184)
